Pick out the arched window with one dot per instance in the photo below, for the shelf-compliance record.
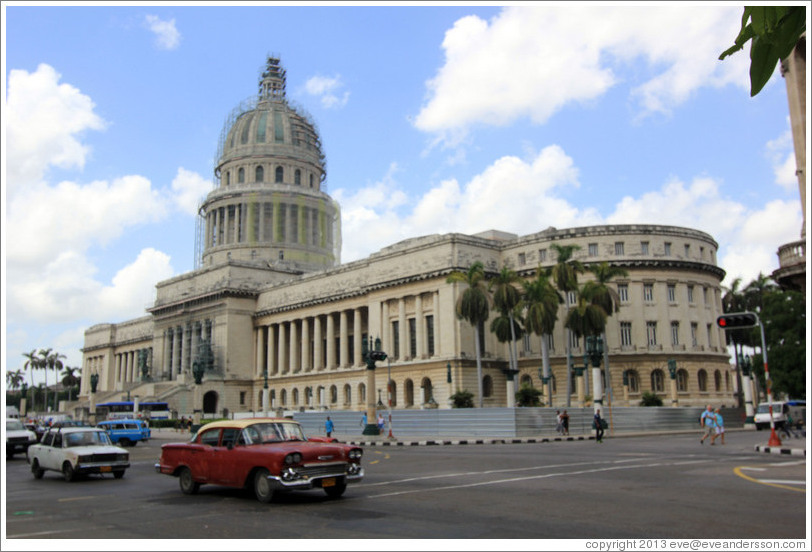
(682, 380)
(526, 381)
(634, 381)
(347, 394)
(717, 381)
(428, 391)
(228, 178)
(260, 174)
(333, 394)
(283, 397)
(552, 379)
(297, 177)
(241, 175)
(295, 394)
(362, 393)
(311, 180)
(408, 392)
(702, 380)
(727, 381)
(272, 398)
(487, 386)
(393, 392)
(308, 392)
(280, 173)
(260, 406)
(210, 402)
(657, 381)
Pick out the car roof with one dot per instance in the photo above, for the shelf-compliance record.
(73, 429)
(245, 422)
(120, 421)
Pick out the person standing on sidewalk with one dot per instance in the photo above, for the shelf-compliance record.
(329, 426)
(559, 423)
(708, 421)
(597, 422)
(565, 422)
(720, 426)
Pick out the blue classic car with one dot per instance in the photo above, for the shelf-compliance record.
(126, 432)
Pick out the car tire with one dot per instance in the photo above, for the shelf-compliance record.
(68, 472)
(336, 490)
(262, 487)
(125, 442)
(187, 483)
(36, 470)
(118, 474)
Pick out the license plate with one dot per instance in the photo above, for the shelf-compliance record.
(105, 469)
(328, 482)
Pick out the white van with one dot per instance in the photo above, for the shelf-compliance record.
(781, 410)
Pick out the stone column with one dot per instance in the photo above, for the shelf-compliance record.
(281, 359)
(306, 360)
(176, 350)
(194, 340)
(294, 342)
(331, 342)
(418, 324)
(402, 330)
(436, 311)
(271, 354)
(356, 337)
(318, 349)
(343, 340)
(260, 369)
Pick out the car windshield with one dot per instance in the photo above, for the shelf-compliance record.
(86, 438)
(272, 432)
(14, 425)
(764, 408)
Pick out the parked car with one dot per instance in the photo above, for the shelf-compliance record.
(76, 451)
(268, 455)
(18, 437)
(782, 410)
(126, 433)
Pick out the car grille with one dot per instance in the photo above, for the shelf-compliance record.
(102, 458)
(322, 470)
(17, 440)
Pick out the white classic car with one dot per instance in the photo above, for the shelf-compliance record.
(75, 451)
(18, 438)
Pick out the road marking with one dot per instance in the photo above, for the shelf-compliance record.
(41, 533)
(753, 469)
(783, 481)
(385, 457)
(80, 498)
(738, 471)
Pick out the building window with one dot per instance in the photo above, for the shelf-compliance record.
(623, 292)
(242, 398)
(710, 341)
(280, 175)
(228, 178)
(430, 334)
(593, 249)
(682, 381)
(487, 386)
(644, 248)
(297, 177)
(412, 338)
(651, 333)
(634, 381)
(674, 333)
(701, 253)
(241, 175)
(396, 339)
(690, 294)
(311, 180)
(542, 255)
(575, 341)
(694, 329)
(618, 248)
(526, 342)
(705, 295)
(522, 259)
(717, 381)
(667, 248)
(550, 342)
(259, 174)
(648, 293)
(687, 250)
(657, 381)
(672, 293)
(625, 334)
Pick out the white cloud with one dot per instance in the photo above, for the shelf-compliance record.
(328, 90)
(189, 188)
(167, 36)
(530, 62)
(781, 153)
(44, 120)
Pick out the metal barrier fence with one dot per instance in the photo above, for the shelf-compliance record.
(514, 422)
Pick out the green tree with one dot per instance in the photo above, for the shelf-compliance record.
(473, 306)
(70, 380)
(784, 319)
(528, 396)
(462, 399)
(565, 276)
(773, 32)
(51, 360)
(506, 297)
(14, 379)
(541, 301)
(31, 364)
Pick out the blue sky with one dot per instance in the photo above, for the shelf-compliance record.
(433, 119)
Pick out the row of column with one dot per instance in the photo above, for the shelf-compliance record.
(334, 340)
(181, 346)
(126, 366)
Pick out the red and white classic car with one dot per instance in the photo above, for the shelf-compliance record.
(268, 455)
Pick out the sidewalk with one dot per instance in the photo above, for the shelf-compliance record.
(793, 447)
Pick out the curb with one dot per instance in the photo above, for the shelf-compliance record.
(474, 441)
(777, 450)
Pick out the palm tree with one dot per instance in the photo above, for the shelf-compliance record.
(14, 379)
(507, 328)
(506, 298)
(565, 276)
(70, 380)
(473, 306)
(608, 299)
(32, 363)
(542, 300)
(588, 319)
(734, 301)
(51, 360)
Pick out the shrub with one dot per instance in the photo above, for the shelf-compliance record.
(650, 399)
(528, 396)
(462, 399)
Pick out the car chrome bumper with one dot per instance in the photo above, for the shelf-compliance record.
(101, 467)
(278, 483)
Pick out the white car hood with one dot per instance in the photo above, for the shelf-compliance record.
(97, 449)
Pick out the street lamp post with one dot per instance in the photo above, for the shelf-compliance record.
(672, 372)
(389, 392)
(746, 366)
(265, 393)
(594, 350)
(370, 355)
(197, 372)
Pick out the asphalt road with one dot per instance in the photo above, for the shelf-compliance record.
(644, 487)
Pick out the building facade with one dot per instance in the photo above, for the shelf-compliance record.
(270, 303)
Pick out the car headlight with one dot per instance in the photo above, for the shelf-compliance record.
(122, 457)
(293, 458)
(83, 459)
(355, 454)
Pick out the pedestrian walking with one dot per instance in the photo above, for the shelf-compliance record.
(597, 423)
(565, 422)
(720, 426)
(380, 423)
(328, 426)
(708, 421)
(559, 423)
(364, 420)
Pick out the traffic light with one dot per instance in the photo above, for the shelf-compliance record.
(736, 320)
